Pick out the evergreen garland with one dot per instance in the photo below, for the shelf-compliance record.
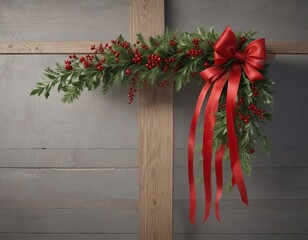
(174, 56)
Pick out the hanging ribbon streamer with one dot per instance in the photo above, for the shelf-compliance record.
(216, 77)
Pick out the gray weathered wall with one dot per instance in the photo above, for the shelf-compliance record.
(278, 187)
(84, 185)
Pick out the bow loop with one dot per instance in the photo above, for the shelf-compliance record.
(252, 58)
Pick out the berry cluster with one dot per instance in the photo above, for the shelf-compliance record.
(86, 61)
(195, 41)
(144, 46)
(256, 111)
(68, 65)
(242, 40)
(153, 61)
(255, 91)
(167, 63)
(244, 118)
(194, 52)
(99, 49)
(132, 91)
(99, 65)
(172, 43)
(240, 102)
(137, 57)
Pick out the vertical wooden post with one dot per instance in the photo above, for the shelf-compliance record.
(156, 136)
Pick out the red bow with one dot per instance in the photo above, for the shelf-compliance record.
(250, 60)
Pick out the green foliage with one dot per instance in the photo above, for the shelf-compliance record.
(172, 57)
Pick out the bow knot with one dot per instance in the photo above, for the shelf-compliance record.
(240, 56)
(252, 58)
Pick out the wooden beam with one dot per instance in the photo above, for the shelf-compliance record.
(287, 47)
(46, 47)
(84, 47)
(155, 136)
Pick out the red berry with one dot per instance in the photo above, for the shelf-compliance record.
(251, 151)
(127, 72)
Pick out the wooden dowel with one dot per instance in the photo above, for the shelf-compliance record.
(84, 47)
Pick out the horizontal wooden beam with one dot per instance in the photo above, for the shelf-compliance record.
(84, 47)
(287, 47)
(46, 47)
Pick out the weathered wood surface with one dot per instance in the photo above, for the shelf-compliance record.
(92, 145)
(55, 185)
(155, 136)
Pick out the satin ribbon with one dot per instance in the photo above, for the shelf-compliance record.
(251, 60)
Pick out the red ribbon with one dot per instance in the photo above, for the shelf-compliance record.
(250, 61)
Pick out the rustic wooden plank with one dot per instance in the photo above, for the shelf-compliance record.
(68, 184)
(287, 47)
(73, 188)
(76, 20)
(122, 158)
(69, 158)
(155, 136)
(45, 47)
(83, 221)
(97, 236)
(7, 47)
(181, 205)
(80, 221)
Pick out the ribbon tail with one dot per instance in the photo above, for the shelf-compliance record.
(219, 179)
(208, 132)
(191, 146)
(233, 84)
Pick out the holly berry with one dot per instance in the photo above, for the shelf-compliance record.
(128, 72)
(252, 151)
(206, 64)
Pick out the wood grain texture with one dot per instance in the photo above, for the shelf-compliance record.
(45, 47)
(287, 47)
(84, 47)
(155, 136)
